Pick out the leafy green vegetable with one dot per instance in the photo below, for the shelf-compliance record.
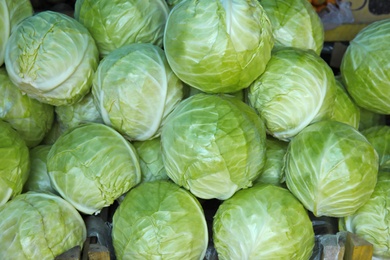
(218, 46)
(213, 145)
(379, 137)
(92, 165)
(159, 220)
(263, 222)
(331, 168)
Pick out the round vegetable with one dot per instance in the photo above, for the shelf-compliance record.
(52, 58)
(218, 46)
(14, 163)
(263, 222)
(92, 165)
(39, 226)
(331, 168)
(365, 67)
(213, 145)
(159, 220)
(379, 137)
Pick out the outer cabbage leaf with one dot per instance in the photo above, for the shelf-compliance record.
(37, 225)
(91, 166)
(331, 168)
(14, 163)
(213, 145)
(29, 117)
(159, 220)
(365, 67)
(296, 89)
(116, 23)
(369, 119)
(52, 58)
(218, 46)
(134, 90)
(372, 220)
(379, 137)
(263, 222)
(295, 23)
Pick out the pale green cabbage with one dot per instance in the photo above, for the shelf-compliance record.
(365, 67)
(262, 222)
(372, 220)
(295, 23)
(159, 220)
(52, 58)
(12, 12)
(91, 166)
(296, 89)
(213, 145)
(14, 163)
(369, 119)
(379, 137)
(116, 23)
(36, 225)
(218, 46)
(331, 168)
(134, 90)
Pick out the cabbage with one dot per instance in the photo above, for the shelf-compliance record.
(52, 58)
(331, 168)
(150, 160)
(213, 145)
(371, 221)
(78, 113)
(38, 178)
(134, 89)
(296, 89)
(29, 117)
(369, 119)
(295, 23)
(12, 12)
(114, 24)
(262, 222)
(14, 163)
(379, 137)
(159, 220)
(92, 165)
(272, 171)
(365, 67)
(218, 46)
(39, 226)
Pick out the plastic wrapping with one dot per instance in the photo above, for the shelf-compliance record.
(335, 15)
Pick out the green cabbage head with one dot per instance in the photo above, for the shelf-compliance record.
(379, 137)
(14, 163)
(37, 225)
(135, 89)
(262, 222)
(159, 220)
(365, 67)
(213, 145)
(12, 12)
(218, 46)
(331, 168)
(29, 117)
(52, 58)
(91, 166)
(295, 23)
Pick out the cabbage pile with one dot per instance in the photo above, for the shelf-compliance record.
(200, 127)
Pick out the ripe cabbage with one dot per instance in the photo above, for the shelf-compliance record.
(14, 163)
(331, 168)
(379, 137)
(114, 24)
(213, 145)
(12, 12)
(91, 166)
(296, 89)
(134, 90)
(52, 58)
(218, 46)
(295, 23)
(365, 67)
(36, 225)
(159, 220)
(262, 222)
